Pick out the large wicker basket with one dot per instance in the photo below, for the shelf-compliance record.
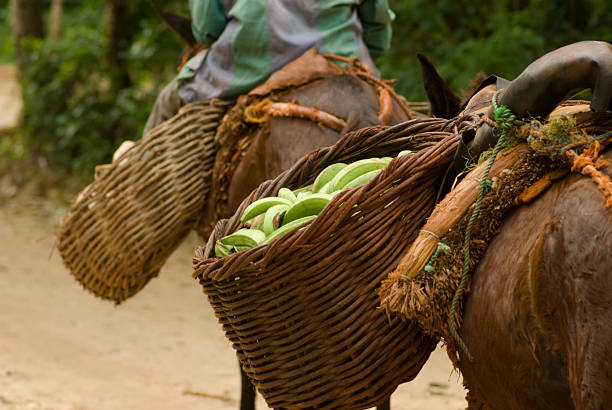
(302, 312)
(120, 229)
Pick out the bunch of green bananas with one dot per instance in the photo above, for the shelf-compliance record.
(268, 218)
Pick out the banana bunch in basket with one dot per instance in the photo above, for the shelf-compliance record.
(268, 218)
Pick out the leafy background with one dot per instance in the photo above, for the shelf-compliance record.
(73, 118)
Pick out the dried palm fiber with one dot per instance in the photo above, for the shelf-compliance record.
(302, 312)
(120, 229)
(252, 112)
(429, 294)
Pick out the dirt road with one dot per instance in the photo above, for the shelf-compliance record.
(63, 349)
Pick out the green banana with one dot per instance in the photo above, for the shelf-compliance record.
(354, 170)
(268, 221)
(244, 237)
(287, 227)
(326, 175)
(304, 188)
(362, 179)
(386, 159)
(255, 223)
(311, 205)
(326, 189)
(287, 194)
(405, 152)
(261, 205)
(221, 251)
(303, 194)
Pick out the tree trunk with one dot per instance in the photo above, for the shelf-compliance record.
(118, 43)
(27, 22)
(55, 25)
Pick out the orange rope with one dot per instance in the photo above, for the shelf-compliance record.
(385, 113)
(584, 164)
(261, 112)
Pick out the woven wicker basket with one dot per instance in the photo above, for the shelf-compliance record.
(302, 312)
(121, 228)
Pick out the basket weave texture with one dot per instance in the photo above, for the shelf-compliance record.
(302, 312)
(121, 228)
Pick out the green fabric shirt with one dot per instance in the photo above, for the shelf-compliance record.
(250, 39)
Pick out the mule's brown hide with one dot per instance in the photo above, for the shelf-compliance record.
(537, 319)
(481, 101)
(515, 179)
(411, 110)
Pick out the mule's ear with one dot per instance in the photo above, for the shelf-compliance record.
(444, 103)
(178, 24)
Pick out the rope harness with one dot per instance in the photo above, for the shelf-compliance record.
(504, 121)
(588, 163)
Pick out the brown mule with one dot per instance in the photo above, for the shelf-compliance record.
(537, 318)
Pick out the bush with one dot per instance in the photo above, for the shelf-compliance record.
(6, 45)
(71, 115)
(501, 37)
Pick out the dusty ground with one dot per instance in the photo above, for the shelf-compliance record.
(63, 349)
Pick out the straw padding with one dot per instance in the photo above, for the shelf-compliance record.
(302, 312)
(120, 229)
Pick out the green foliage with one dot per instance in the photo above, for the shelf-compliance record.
(6, 45)
(71, 115)
(74, 119)
(464, 37)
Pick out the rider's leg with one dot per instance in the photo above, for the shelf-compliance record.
(166, 106)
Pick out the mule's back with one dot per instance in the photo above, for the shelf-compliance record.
(283, 141)
(537, 319)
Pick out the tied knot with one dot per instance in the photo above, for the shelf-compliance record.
(503, 115)
(441, 249)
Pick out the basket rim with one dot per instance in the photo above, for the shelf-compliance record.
(388, 140)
